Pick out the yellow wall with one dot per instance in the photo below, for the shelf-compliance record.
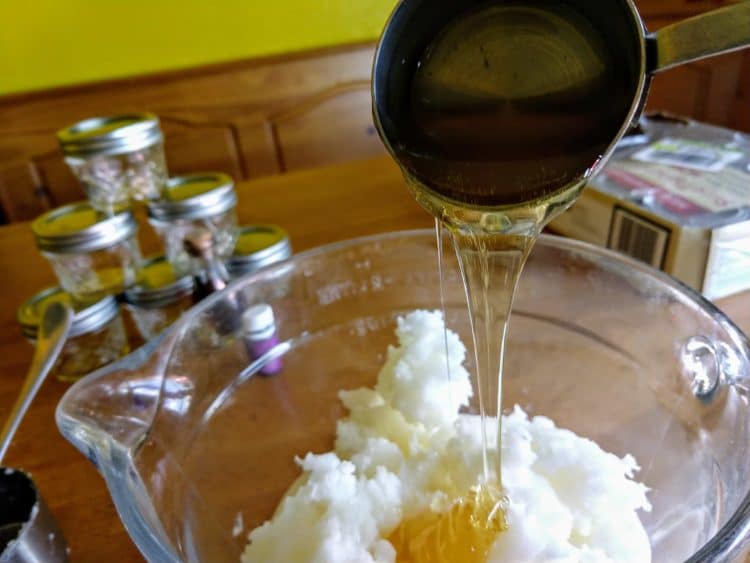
(45, 43)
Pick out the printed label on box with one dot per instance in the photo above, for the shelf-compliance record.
(710, 191)
(689, 154)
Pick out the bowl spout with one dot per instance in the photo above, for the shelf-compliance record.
(112, 408)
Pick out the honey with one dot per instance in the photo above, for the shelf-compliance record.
(465, 533)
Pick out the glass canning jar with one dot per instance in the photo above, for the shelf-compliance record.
(159, 298)
(93, 255)
(117, 159)
(258, 246)
(192, 205)
(97, 336)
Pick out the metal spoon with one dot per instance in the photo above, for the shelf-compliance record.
(28, 532)
(53, 330)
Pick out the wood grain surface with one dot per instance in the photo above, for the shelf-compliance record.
(289, 112)
(316, 206)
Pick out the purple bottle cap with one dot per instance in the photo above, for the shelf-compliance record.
(259, 326)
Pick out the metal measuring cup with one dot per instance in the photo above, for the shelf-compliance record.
(572, 90)
(28, 533)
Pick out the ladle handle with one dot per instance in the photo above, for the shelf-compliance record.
(55, 324)
(712, 33)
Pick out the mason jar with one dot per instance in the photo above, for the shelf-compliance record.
(258, 246)
(97, 335)
(117, 159)
(92, 254)
(159, 298)
(192, 206)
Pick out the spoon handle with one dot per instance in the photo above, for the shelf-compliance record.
(712, 33)
(53, 330)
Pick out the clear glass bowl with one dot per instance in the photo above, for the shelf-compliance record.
(187, 438)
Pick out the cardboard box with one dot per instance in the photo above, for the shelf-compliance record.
(676, 195)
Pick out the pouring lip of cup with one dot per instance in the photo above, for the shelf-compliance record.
(393, 29)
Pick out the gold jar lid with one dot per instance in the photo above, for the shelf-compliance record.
(194, 196)
(79, 227)
(159, 286)
(258, 246)
(89, 317)
(110, 135)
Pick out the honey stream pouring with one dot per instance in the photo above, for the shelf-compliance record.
(498, 113)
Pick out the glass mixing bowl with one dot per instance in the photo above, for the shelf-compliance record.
(194, 446)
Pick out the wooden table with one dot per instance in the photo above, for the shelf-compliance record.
(316, 207)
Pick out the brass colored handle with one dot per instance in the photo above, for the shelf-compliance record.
(712, 33)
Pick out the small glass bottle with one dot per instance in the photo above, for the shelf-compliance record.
(191, 205)
(258, 246)
(159, 298)
(118, 159)
(92, 254)
(210, 275)
(259, 331)
(97, 336)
